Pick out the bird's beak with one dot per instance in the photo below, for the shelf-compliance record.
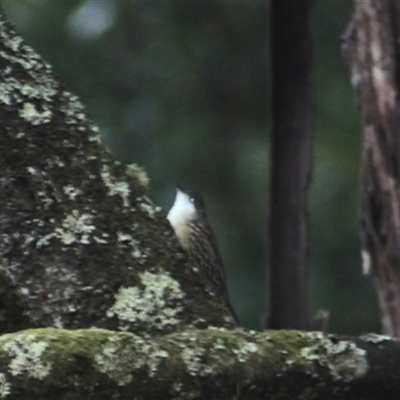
(180, 188)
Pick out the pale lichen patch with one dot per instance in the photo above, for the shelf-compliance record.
(148, 207)
(14, 92)
(26, 354)
(4, 386)
(40, 84)
(75, 227)
(72, 192)
(115, 188)
(245, 350)
(136, 253)
(116, 361)
(25, 62)
(32, 171)
(8, 94)
(95, 139)
(44, 240)
(5, 93)
(134, 171)
(43, 89)
(127, 239)
(14, 43)
(73, 109)
(34, 116)
(193, 359)
(344, 359)
(55, 161)
(375, 338)
(100, 240)
(201, 360)
(157, 301)
(121, 356)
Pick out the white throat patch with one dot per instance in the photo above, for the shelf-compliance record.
(182, 211)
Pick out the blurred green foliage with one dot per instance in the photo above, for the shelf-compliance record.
(182, 89)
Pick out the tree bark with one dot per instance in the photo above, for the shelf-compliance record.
(371, 48)
(215, 364)
(81, 243)
(291, 158)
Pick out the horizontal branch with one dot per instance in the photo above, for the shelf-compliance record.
(214, 363)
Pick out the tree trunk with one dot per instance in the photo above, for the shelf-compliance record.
(81, 243)
(291, 159)
(372, 50)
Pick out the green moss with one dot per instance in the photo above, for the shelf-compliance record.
(43, 354)
(227, 351)
(185, 364)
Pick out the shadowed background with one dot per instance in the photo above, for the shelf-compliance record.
(182, 89)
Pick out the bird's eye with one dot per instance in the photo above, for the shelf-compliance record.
(192, 199)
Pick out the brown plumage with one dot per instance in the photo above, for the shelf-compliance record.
(189, 219)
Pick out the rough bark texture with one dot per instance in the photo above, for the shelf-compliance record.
(208, 364)
(291, 160)
(81, 245)
(372, 49)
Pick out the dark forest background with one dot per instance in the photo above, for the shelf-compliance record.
(182, 89)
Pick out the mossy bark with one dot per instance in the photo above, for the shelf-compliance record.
(214, 363)
(81, 243)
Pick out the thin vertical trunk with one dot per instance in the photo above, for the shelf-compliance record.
(291, 158)
(371, 47)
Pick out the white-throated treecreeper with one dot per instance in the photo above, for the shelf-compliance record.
(189, 219)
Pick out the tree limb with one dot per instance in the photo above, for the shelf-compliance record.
(214, 363)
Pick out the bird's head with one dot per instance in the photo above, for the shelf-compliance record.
(188, 206)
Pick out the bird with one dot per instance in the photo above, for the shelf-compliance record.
(188, 218)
